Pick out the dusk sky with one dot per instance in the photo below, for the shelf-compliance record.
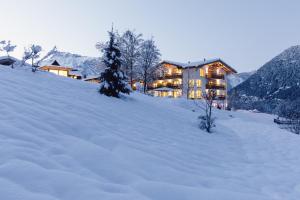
(246, 34)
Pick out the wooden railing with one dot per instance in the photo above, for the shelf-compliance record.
(216, 86)
(170, 76)
(215, 76)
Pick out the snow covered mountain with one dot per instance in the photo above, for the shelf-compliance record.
(87, 65)
(276, 82)
(61, 140)
(236, 79)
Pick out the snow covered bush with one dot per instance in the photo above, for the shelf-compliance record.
(207, 122)
(32, 53)
(113, 80)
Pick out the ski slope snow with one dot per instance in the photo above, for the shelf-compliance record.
(61, 140)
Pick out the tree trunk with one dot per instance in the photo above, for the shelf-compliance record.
(131, 77)
(145, 82)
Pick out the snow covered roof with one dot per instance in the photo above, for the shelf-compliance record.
(75, 73)
(92, 77)
(7, 60)
(198, 63)
(55, 67)
(202, 63)
(178, 64)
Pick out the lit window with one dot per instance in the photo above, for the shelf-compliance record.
(206, 69)
(191, 94)
(198, 83)
(202, 73)
(198, 94)
(191, 83)
(179, 71)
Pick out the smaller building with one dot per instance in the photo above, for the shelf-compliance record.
(59, 70)
(92, 79)
(7, 60)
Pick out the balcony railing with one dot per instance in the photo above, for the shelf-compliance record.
(220, 97)
(215, 76)
(168, 85)
(215, 86)
(170, 76)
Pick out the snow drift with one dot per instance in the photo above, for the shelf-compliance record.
(61, 140)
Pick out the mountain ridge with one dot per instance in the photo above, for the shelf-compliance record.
(275, 82)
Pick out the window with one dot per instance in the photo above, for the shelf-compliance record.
(191, 83)
(202, 72)
(191, 94)
(54, 71)
(63, 73)
(178, 71)
(198, 94)
(198, 83)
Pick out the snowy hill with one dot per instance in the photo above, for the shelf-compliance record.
(87, 65)
(276, 82)
(236, 79)
(62, 140)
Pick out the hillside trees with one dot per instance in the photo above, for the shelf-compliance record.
(290, 112)
(130, 43)
(148, 60)
(32, 53)
(138, 57)
(113, 79)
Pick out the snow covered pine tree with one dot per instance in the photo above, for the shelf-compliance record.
(113, 80)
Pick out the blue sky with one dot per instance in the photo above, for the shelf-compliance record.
(246, 34)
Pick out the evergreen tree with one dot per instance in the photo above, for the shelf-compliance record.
(113, 80)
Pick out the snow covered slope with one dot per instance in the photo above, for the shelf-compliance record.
(236, 79)
(61, 140)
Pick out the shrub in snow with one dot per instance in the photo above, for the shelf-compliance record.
(113, 80)
(207, 122)
(32, 53)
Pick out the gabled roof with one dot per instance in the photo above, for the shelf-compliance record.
(178, 64)
(55, 63)
(198, 63)
(91, 77)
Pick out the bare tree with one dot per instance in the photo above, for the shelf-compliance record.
(148, 60)
(32, 53)
(130, 43)
(7, 47)
(207, 121)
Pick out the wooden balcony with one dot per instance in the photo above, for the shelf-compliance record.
(170, 76)
(215, 86)
(168, 85)
(215, 76)
(220, 97)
